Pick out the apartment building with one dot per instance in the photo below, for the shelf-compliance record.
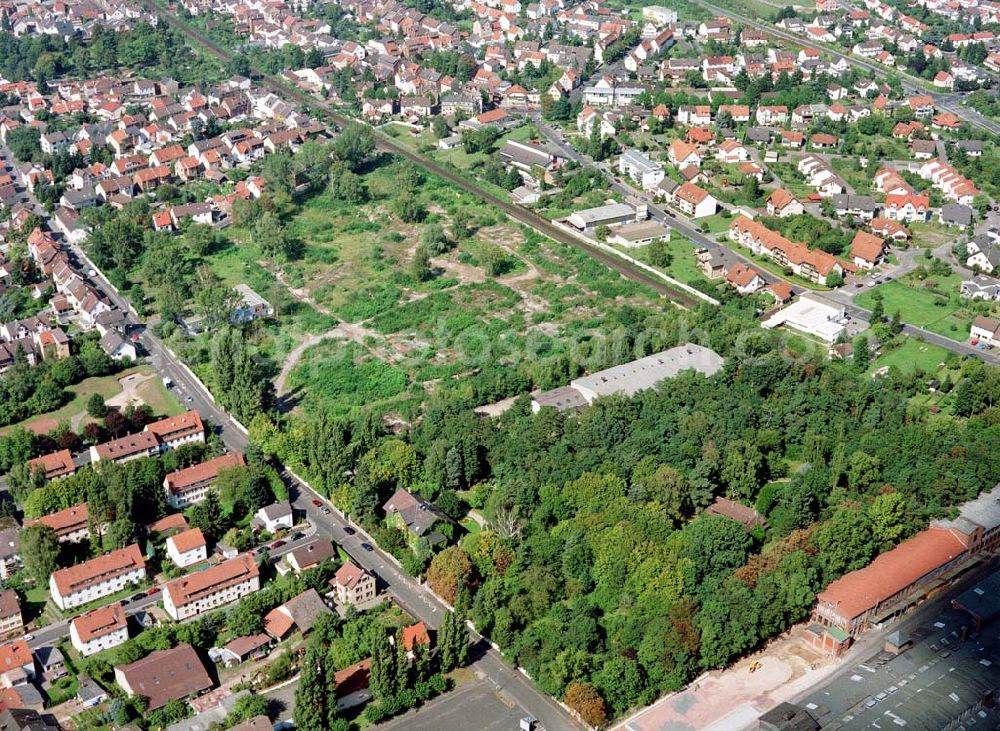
(97, 578)
(159, 436)
(11, 621)
(187, 548)
(643, 171)
(212, 588)
(55, 465)
(71, 525)
(174, 431)
(100, 629)
(190, 485)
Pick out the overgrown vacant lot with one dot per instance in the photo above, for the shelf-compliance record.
(362, 319)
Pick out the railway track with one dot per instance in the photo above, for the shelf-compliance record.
(519, 214)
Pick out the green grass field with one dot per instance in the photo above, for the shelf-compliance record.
(151, 392)
(912, 355)
(930, 304)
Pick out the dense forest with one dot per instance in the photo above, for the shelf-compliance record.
(599, 573)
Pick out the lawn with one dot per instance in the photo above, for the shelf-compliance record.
(931, 304)
(716, 224)
(683, 265)
(152, 392)
(913, 355)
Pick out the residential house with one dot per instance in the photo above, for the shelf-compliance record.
(782, 204)
(981, 287)
(164, 675)
(744, 279)
(311, 555)
(300, 612)
(99, 629)
(694, 201)
(11, 621)
(983, 253)
(907, 207)
(353, 585)
(985, 330)
(71, 525)
(274, 517)
(415, 515)
(643, 171)
(55, 465)
(867, 250)
(187, 548)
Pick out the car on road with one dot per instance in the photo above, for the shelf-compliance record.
(296, 535)
(124, 602)
(368, 547)
(154, 590)
(349, 530)
(260, 549)
(137, 597)
(318, 503)
(278, 544)
(28, 637)
(91, 273)
(189, 399)
(325, 511)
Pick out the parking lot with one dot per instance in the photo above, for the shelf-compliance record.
(474, 705)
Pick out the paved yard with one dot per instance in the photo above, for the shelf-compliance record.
(474, 705)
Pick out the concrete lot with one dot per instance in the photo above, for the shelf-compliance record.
(474, 705)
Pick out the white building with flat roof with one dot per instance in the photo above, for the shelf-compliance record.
(630, 378)
(643, 171)
(811, 316)
(606, 215)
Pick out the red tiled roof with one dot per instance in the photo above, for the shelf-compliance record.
(96, 570)
(177, 427)
(860, 591)
(181, 479)
(100, 622)
(200, 584)
(415, 634)
(65, 521)
(55, 464)
(188, 540)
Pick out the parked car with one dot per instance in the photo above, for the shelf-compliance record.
(317, 503)
(154, 590)
(325, 511)
(137, 597)
(278, 544)
(28, 637)
(368, 547)
(349, 530)
(296, 535)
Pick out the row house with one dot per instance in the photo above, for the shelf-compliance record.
(953, 186)
(812, 264)
(157, 437)
(821, 176)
